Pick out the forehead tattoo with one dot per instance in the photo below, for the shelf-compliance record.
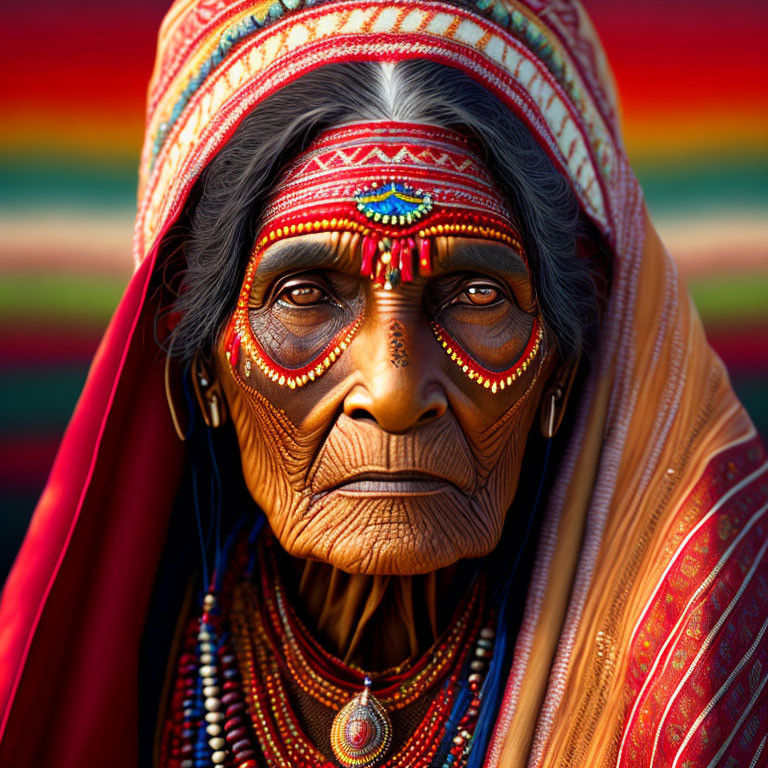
(398, 345)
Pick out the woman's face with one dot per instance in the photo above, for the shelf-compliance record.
(394, 460)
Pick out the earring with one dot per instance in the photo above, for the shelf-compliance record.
(555, 399)
(211, 402)
(552, 413)
(170, 399)
(208, 393)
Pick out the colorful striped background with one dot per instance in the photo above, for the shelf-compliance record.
(692, 77)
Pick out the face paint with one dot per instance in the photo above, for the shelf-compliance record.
(242, 340)
(496, 381)
(397, 186)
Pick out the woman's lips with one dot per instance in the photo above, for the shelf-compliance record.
(396, 483)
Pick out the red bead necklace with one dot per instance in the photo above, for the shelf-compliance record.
(231, 703)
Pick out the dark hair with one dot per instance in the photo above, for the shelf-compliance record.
(221, 220)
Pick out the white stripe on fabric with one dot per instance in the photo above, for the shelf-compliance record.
(759, 752)
(727, 684)
(716, 759)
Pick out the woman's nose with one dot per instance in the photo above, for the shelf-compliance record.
(397, 387)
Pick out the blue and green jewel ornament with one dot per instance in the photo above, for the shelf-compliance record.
(393, 203)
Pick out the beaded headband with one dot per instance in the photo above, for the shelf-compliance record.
(392, 182)
(398, 185)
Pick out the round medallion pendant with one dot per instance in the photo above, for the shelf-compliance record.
(361, 732)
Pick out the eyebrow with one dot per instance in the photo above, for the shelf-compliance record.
(299, 253)
(485, 255)
(295, 253)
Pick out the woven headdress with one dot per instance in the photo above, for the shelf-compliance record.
(216, 62)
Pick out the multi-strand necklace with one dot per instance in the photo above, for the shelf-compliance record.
(248, 656)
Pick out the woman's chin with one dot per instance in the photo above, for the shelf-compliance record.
(380, 532)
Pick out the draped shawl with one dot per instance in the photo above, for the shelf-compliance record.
(643, 637)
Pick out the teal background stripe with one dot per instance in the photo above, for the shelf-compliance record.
(32, 182)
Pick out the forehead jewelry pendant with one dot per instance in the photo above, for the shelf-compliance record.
(388, 259)
(392, 203)
(361, 732)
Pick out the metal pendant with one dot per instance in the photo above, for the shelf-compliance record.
(362, 731)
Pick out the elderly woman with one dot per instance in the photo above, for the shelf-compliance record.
(405, 446)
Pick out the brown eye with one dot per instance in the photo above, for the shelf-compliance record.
(480, 294)
(303, 295)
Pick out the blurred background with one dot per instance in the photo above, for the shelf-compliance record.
(693, 79)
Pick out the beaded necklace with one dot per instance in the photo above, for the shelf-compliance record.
(232, 706)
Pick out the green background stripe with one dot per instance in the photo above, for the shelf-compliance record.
(33, 183)
(65, 297)
(39, 402)
(726, 183)
(731, 297)
(86, 298)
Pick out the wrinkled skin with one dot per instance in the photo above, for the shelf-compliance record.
(393, 461)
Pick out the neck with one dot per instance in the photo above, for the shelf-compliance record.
(374, 622)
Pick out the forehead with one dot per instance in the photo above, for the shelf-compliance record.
(322, 250)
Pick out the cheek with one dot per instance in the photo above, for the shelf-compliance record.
(498, 433)
(274, 453)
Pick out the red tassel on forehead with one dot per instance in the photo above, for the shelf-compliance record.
(425, 257)
(380, 277)
(406, 259)
(370, 246)
(395, 251)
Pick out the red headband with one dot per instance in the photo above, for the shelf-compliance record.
(393, 183)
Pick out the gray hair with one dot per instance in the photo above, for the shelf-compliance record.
(214, 237)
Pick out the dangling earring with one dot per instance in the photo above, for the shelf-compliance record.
(551, 412)
(169, 396)
(555, 399)
(208, 393)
